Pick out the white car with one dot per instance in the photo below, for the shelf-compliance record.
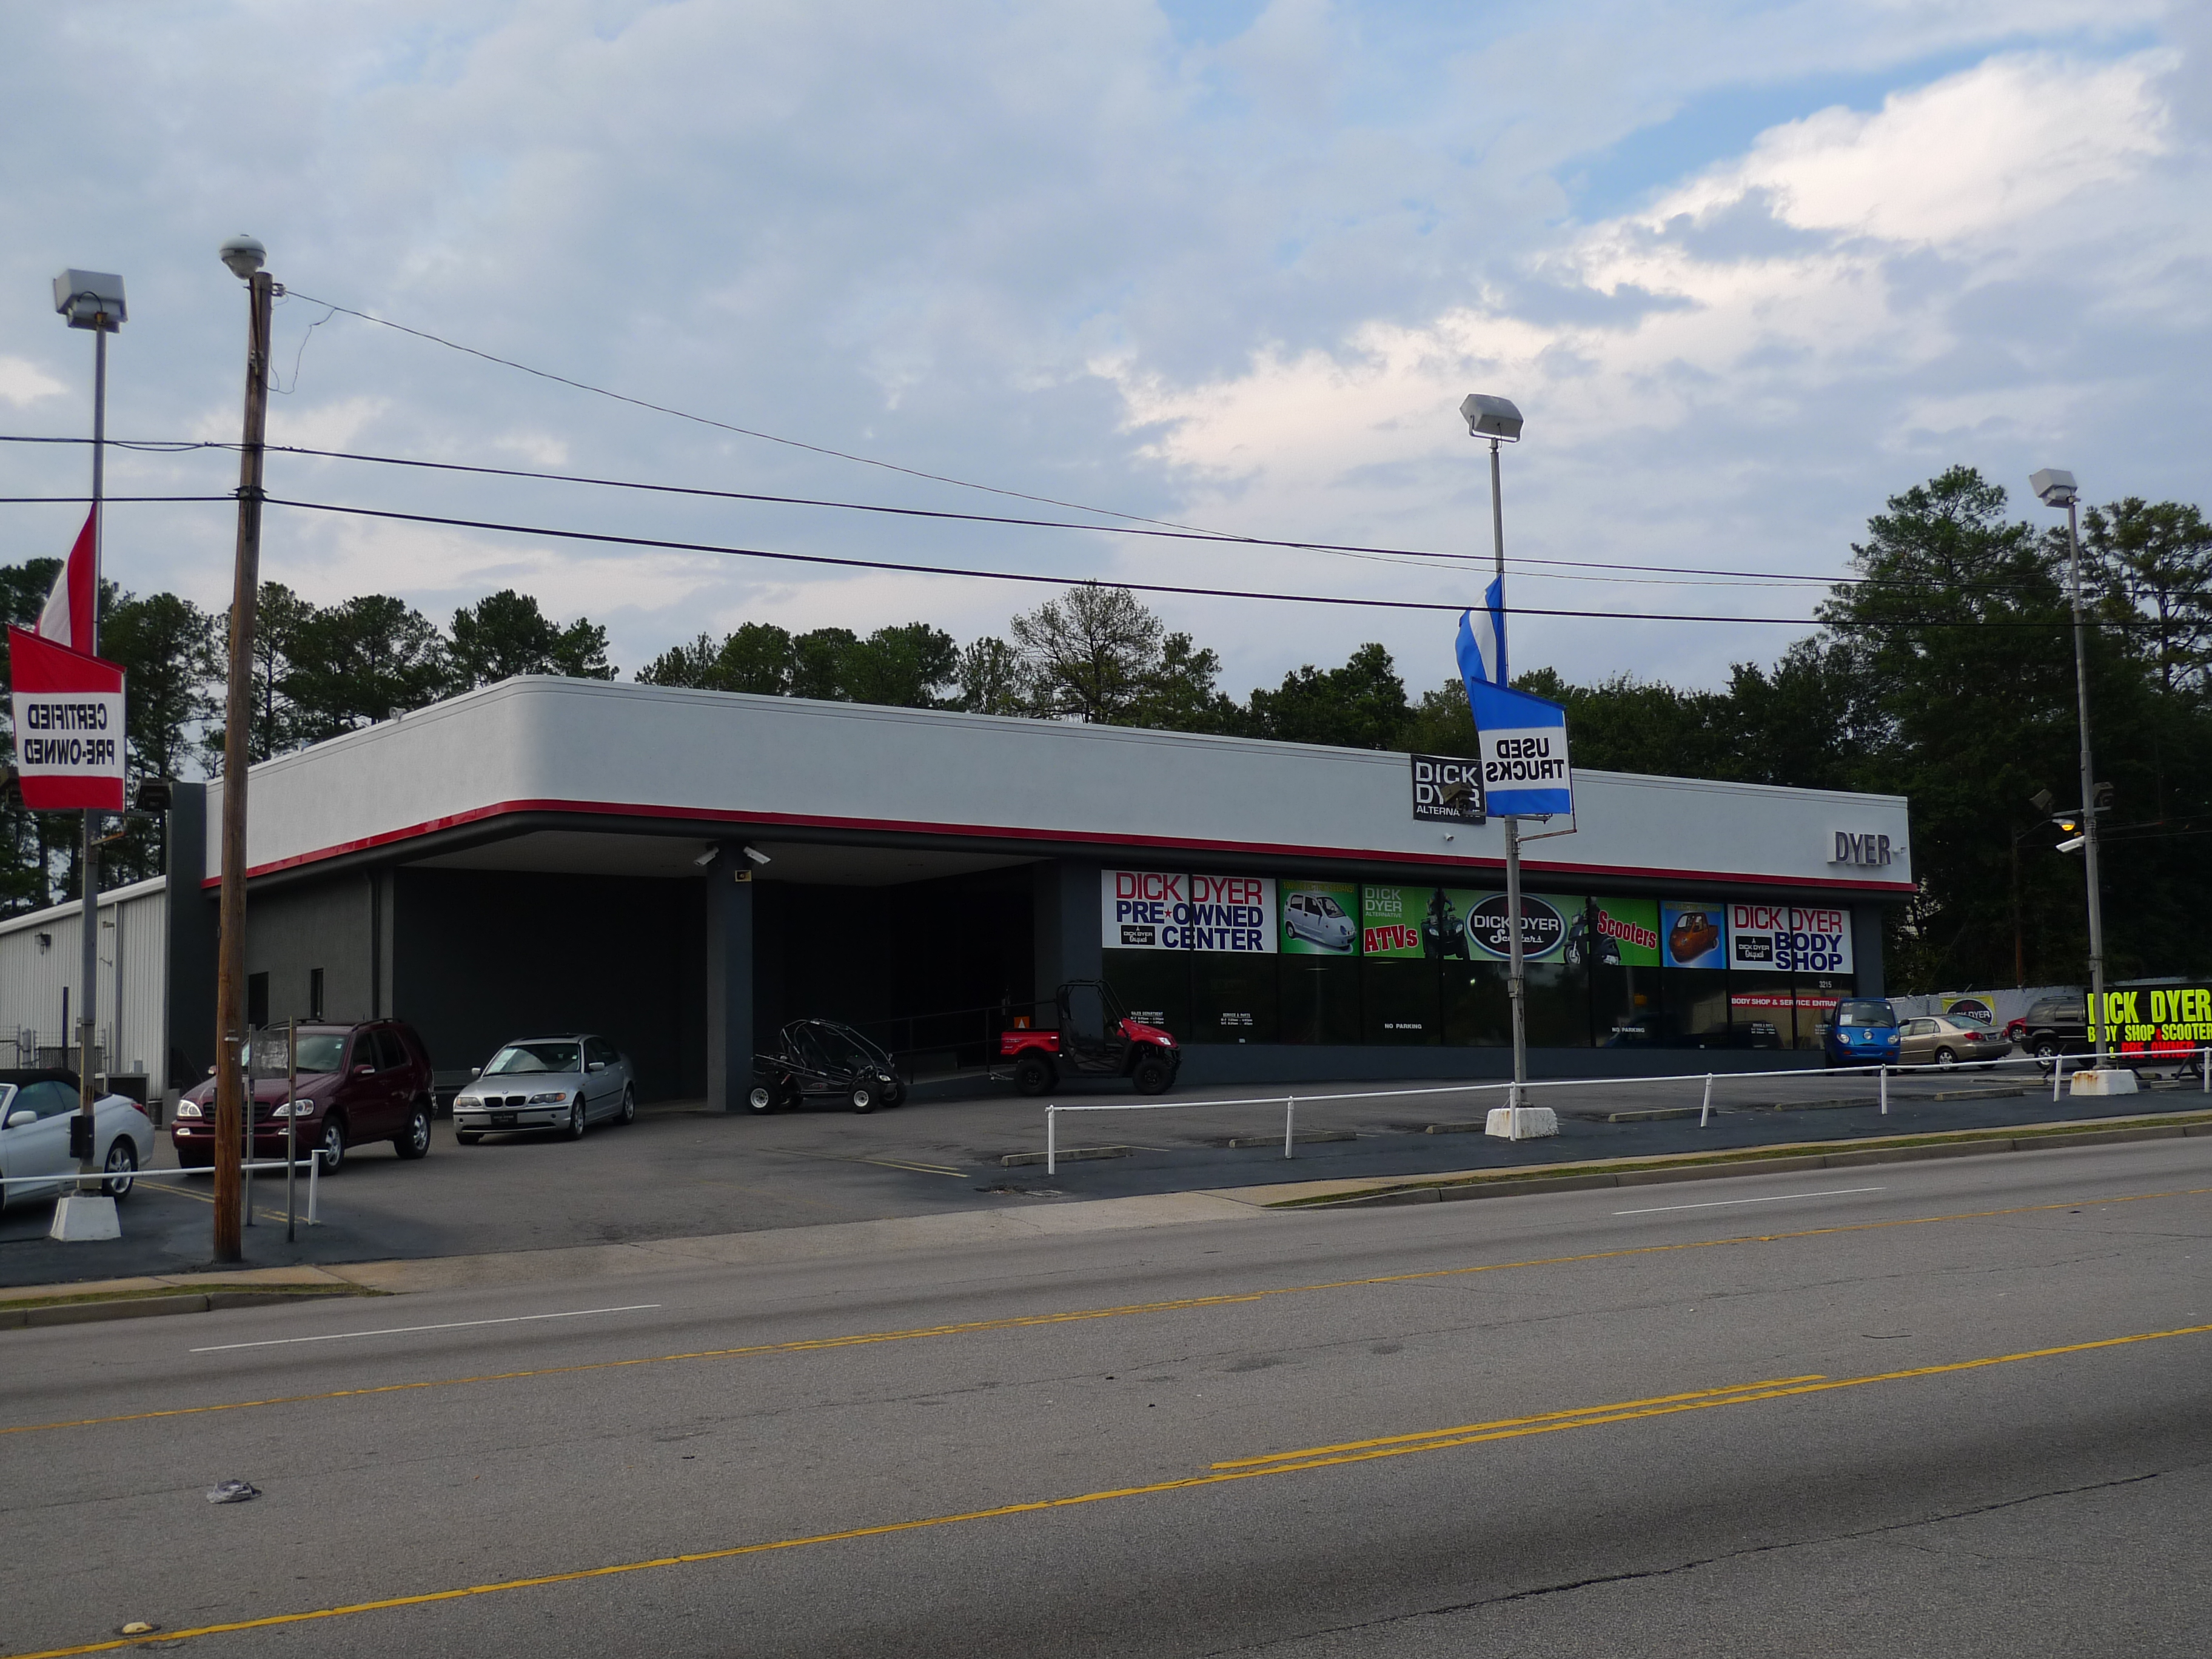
(34, 1138)
(1317, 917)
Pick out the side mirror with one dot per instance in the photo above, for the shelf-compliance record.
(364, 1069)
(596, 1066)
(21, 1120)
(476, 1070)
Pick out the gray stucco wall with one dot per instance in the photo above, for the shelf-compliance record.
(329, 924)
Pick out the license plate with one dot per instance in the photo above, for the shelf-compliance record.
(506, 1118)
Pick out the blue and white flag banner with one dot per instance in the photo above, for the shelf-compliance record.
(1482, 638)
(1526, 773)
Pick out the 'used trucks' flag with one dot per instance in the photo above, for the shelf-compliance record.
(68, 725)
(1523, 738)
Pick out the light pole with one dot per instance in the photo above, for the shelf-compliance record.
(92, 300)
(244, 257)
(2055, 486)
(1498, 420)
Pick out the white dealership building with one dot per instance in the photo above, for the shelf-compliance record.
(682, 870)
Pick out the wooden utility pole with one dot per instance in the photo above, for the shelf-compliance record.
(233, 1099)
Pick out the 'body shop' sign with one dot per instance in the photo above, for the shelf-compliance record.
(1789, 938)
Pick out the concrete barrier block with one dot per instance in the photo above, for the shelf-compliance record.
(84, 1219)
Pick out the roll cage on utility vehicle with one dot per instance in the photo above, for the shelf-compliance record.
(1095, 1038)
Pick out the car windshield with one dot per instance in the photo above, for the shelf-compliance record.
(319, 1051)
(1865, 1011)
(520, 1057)
(1325, 905)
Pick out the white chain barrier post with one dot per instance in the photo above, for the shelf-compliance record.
(1705, 1111)
(2057, 1077)
(1884, 1091)
(1051, 1140)
(1290, 1118)
(2204, 1071)
(314, 1184)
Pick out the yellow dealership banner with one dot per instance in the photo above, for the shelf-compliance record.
(2158, 1019)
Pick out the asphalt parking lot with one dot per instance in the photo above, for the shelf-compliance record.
(682, 1171)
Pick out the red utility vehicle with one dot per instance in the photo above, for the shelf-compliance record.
(1097, 1038)
(357, 1083)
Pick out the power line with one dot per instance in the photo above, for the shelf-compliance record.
(725, 426)
(910, 568)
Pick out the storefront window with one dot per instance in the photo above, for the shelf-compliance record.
(1816, 998)
(1694, 1008)
(1320, 1000)
(1400, 999)
(1625, 1007)
(1154, 985)
(1232, 997)
(1478, 1010)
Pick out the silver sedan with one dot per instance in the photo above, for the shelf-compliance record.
(563, 1083)
(34, 1139)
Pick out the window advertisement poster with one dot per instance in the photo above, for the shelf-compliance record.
(1691, 933)
(1624, 933)
(1390, 921)
(1143, 910)
(1318, 918)
(1788, 939)
(1552, 927)
(1233, 913)
(1162, 910)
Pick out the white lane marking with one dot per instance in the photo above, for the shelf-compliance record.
(1722, 1203)
(408, 1330)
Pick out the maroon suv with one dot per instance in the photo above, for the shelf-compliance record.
(358, 1082)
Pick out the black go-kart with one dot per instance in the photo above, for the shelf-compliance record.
(820, 1062)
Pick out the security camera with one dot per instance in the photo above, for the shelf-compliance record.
(2073, 845)
(707, 857)
(758, 856)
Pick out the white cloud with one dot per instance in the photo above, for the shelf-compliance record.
(23, 383)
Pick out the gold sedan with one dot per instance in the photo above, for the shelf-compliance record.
(1949, 1039)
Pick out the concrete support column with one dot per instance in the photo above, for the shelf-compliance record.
(1866, 949)
(1064, 912)
(729, 979)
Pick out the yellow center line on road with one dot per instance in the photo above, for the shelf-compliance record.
(1318, 1457)
(1076, 1315)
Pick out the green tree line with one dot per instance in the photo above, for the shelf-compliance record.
(1968, 721)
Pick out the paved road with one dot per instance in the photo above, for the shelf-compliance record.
(1955, 1408)
(682, 1172)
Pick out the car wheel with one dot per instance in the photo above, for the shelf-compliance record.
(761, 1101)
(863, 1098)
(331, 1150)
(467, 1137)
(628, 1112)
(122, 1164)
(1945, 1058)
(1152, 1075)
(895, 1095)
(576, 1117)
(414, 1140)
(1034, 1074)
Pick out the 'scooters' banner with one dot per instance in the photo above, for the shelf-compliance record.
(1158, 910)
(68, 725)
(1624, 932)
(1788, 939)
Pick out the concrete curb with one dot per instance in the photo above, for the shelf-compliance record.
(97, 1312)
(1512, 1184)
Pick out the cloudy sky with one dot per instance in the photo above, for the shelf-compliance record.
(1748, 269)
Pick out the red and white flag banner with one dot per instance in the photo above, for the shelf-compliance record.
(68, 725)
(66, 618)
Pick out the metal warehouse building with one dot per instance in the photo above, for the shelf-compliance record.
(548, 854)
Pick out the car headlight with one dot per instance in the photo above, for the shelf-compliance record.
(188, 1109)
(553, 1098)
(294, 1108)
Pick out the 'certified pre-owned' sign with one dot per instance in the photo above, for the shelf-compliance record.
(1447, 789)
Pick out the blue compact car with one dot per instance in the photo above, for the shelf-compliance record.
(1862, 1031)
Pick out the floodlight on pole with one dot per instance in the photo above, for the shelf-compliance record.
(1499, 420)
(90, 299)
(2055, 486)
(244, 255)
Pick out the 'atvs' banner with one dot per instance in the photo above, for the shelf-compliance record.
(68, 725)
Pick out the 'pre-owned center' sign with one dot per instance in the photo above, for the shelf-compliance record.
(1170, 910)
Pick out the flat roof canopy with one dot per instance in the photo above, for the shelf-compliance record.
(546, 773)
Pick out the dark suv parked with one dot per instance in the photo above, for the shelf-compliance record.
(2055, 1026)
(357, 1083)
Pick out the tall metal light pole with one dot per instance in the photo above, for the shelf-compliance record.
(1498, 421)
(91, 300)
(2055, 486)
(244, 257)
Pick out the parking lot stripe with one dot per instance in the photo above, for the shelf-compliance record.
(1730, 1203)
(1018, 1321)
(1316, 1458)
(409, 1330)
